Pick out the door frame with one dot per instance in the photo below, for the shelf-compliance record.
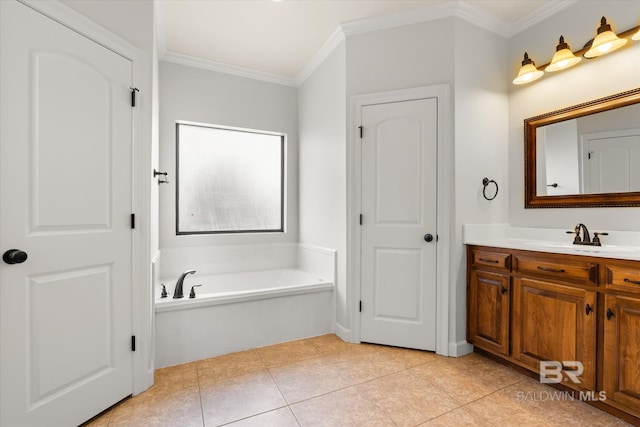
(142, 301)
(444, 201)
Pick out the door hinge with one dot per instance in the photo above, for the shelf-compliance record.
(361, 219)
(589, 155)
(133, 95)
(361, 129)
(133, 343)
(360, 306)
(133, 221)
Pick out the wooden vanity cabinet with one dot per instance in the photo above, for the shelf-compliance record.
(554, 322)
(527, 307)
(488, 300)
(489, 311)
(621, 318)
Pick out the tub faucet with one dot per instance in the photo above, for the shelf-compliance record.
(177, 293)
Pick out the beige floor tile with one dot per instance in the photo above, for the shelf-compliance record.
(406, 399)
(159, 408)
(174, 399)
(469, 377)
(340, 384)
(235, 398)
(288, 352)
(530, 403)
(99, 421)
(229, 365)
(175, 378)
(460, 417)
(343, 408)
(282, 417)
(328, 344)
(313, 377)
(410, 358)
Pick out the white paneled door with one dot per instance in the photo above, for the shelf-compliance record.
(65, 203)
(611, 161)
(399, 182)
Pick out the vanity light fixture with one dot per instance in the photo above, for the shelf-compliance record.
(528, 72)
(563, 58)
(606, 41)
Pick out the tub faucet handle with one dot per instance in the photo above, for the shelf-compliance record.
(192, 294)
(164, 291)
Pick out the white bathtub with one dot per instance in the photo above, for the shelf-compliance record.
(238, 311)
(232, 288)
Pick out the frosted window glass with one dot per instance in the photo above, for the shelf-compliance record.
(229, 180)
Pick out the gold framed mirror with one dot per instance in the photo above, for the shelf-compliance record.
(586, 155)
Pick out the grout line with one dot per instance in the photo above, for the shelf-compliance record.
(200, 393)
(251, 416)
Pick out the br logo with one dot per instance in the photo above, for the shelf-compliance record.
(551, 372)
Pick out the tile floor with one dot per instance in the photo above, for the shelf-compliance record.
(324, 381)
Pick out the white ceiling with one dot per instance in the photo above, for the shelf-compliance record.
(280, 37)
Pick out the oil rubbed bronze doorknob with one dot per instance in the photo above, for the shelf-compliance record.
(428, 238)
(14, 256)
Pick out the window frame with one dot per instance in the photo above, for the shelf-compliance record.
(283, 179)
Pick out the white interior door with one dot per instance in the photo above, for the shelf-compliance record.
(399, 183)
(611, 161)
(65, 200)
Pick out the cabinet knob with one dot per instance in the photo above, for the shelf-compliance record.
(588, 310)
(609, 314)
(504, 290)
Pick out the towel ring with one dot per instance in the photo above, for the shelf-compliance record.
(485, 183)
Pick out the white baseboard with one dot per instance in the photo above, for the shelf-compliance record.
(343, 333)
(460, 348)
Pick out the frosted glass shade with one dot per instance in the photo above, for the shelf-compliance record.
(563, 58)
(605, 42)
(528, 72)
(636, 36)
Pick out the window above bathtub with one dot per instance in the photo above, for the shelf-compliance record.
(229, 180)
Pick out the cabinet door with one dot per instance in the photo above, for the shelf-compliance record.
(489, 311)
(622, 350)
(551, 322)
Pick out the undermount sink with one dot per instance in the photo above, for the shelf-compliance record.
(609, 249)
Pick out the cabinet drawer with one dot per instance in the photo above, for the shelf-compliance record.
(484, 258)
(561, 269)
(624, 278)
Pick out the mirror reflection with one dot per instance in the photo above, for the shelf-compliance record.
(593, 154)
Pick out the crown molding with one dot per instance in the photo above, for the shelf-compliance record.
(431, 13)
(221, 67)
(459, 9)
(482, 19)
(318, 58)
(376, 23)
(539, 15)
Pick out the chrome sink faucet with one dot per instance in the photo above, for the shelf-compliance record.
(177, 293)
(586, 238)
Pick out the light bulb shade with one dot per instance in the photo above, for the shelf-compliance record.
(528, 72)
(606, 41)
(563, 58)
(636, 36)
